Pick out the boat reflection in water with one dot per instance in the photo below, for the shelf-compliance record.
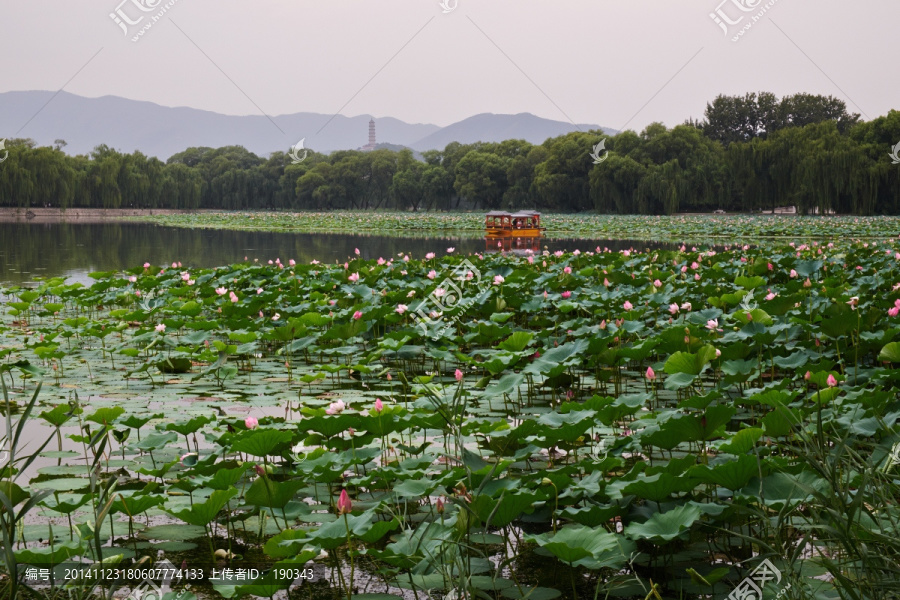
(513, 244)
(508, 232)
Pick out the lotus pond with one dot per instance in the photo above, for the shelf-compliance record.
(675, 228)
(599, 424)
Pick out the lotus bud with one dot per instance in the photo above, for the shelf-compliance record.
(344, 506)
(439, 505)
(546, 481)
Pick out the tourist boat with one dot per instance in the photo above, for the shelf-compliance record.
(501, 224)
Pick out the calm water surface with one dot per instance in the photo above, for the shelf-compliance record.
(29, 251)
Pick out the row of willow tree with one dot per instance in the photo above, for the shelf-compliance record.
(749, 153)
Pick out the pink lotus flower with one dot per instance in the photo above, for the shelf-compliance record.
(221, 291)
(335, 408)
(807, 283)
(451, 250)
(770, 267)
(146, 265)
(628, 305)
(161, 328)
(401, 308)
(712, 324)
(356, 251)
(432, 274)
(831, 381)
(657, 284)
(650, 374)
(357, 315)
(498, 279)
(259, 291)
(770, 296)
(687, 306)
(793, 274)
(458, 375)
(603, 324)
(807, 376)
(276, 316)
(354, 277)
(292, 262)
(605, 282)
(344, 506)
(379, 405)
(381, 261)
(251, 423)
(232, 296)
(673, 308)
(567, 270)
(567, 294)
(429, 256)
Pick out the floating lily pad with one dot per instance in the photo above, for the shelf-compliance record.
(173, 532)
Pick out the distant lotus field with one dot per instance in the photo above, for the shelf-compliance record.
(640, 425)
(676, 228)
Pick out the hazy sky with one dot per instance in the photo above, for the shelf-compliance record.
(614, 63)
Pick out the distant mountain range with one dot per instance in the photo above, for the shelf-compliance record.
(161, 131)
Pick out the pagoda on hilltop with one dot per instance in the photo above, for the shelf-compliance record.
(371, 145)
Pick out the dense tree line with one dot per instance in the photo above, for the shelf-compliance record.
(751, 152)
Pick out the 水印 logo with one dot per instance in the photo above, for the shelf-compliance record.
(136, 14)
(599, 149)
(447, 295)
(296, 149)
(448, 6)
(5, 152)
(752, 586)
(894, 154)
